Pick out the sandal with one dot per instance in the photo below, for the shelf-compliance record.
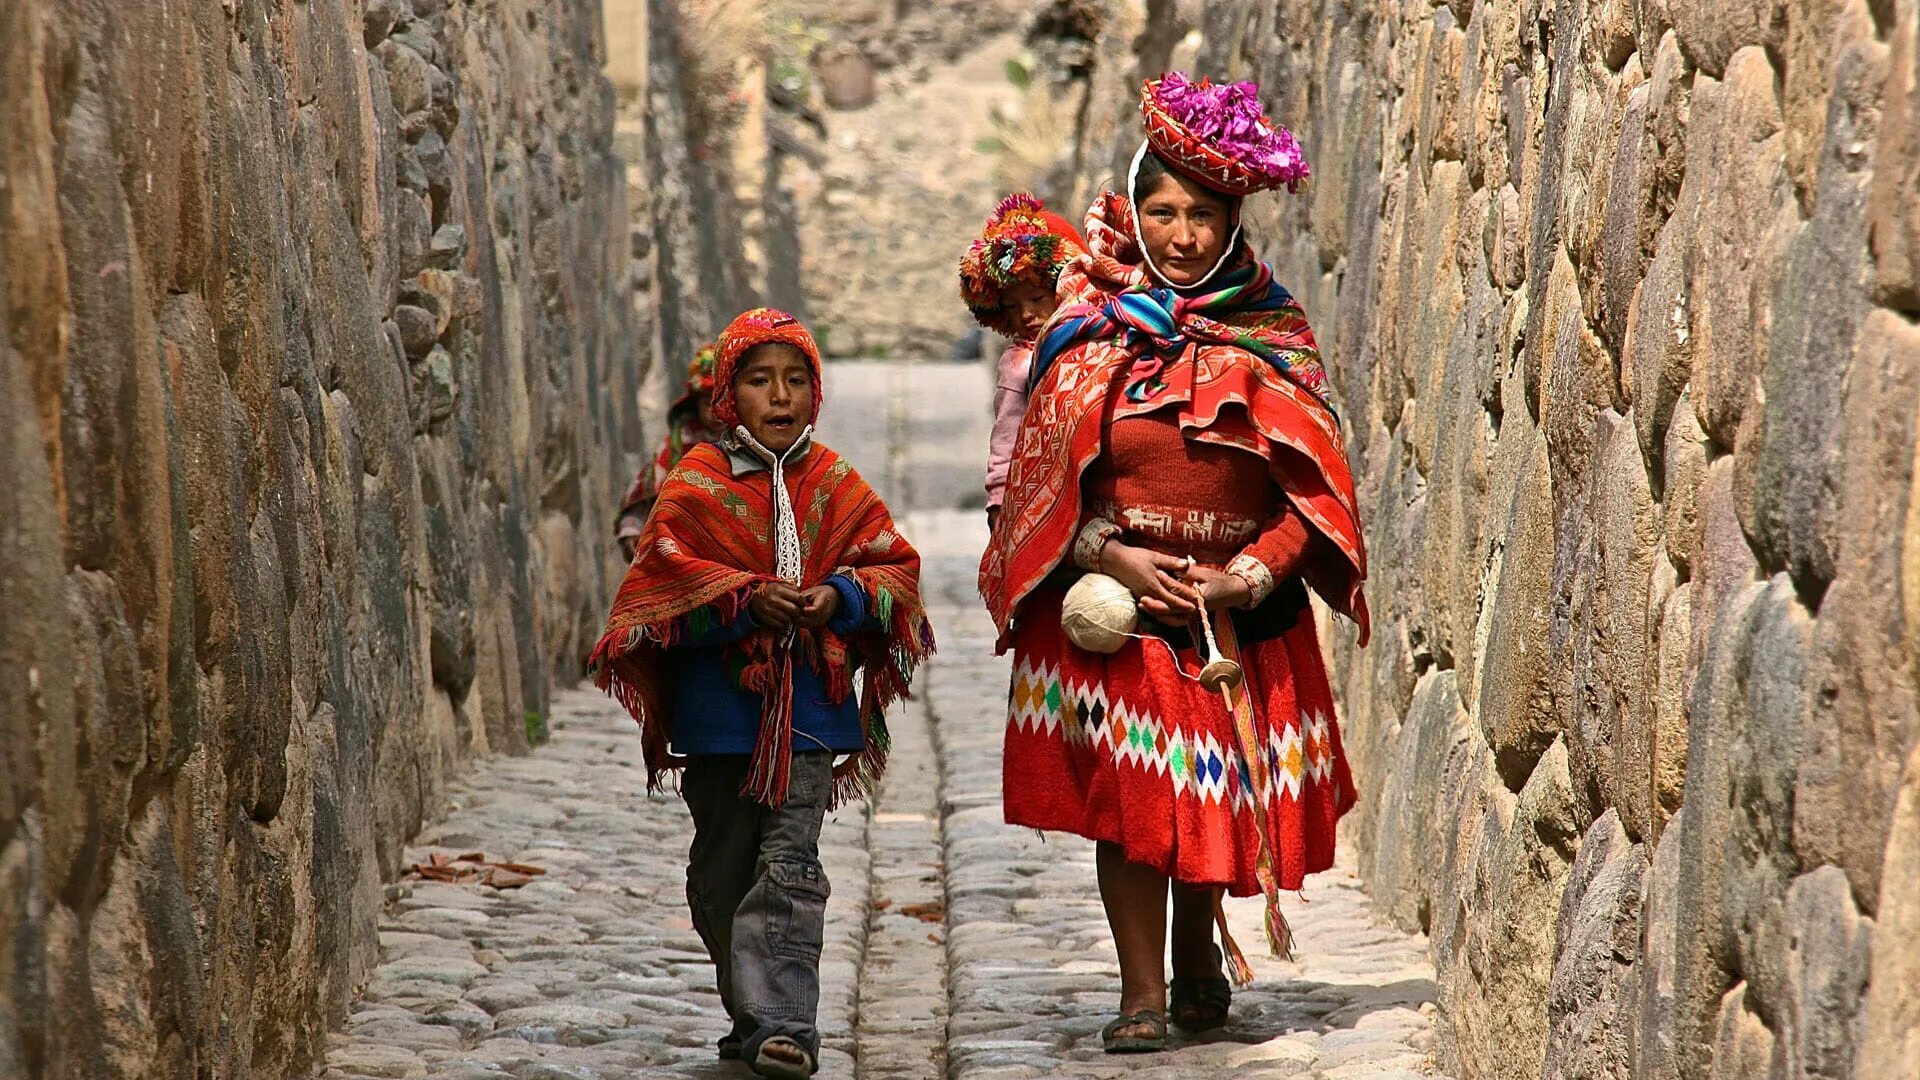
(730, 1047)
(783, 1067)
(1115, 1043)
(1197, 1005)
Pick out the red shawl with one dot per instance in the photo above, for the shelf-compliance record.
(1223, 393)
(706, 547)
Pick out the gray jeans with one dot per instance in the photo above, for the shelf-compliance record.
(759, 895)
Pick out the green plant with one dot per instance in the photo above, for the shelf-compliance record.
(1035, 138)
(537, 733)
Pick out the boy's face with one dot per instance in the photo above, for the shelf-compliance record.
(773, 389)
(1031, 306)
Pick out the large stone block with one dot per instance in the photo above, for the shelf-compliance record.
(1896, 173)
(1704, 945)
(1861, 696)
(1712, 32)
(1596, 945)
(1830, 948)
(1657, 335)
(1652, 1002)
(1609, 718)
(1500, 1022)
(1744, 212)
(1514, 704)
(1889, 1042)
(1743, 1045)
(1408, 833)
(1818, 309)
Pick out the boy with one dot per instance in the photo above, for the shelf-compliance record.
(690, 422)
(1008, 280)
(767, 574)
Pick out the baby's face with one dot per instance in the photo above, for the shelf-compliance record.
(1031, 306)
(773, 390)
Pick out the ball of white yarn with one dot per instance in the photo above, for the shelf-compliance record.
(1098, 614)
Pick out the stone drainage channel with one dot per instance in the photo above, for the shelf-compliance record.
(956, 946)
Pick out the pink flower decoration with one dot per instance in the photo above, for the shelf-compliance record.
(1230, 118)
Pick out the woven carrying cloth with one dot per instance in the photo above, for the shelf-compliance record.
(1023, 243)
(708, 544)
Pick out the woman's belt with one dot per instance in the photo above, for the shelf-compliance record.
(1182, 530)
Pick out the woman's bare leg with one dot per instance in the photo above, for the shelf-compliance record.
(1193, 954)
(1136, 900)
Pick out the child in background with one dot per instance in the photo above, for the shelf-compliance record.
(1008, 280)
(767, 575)
(690, 422)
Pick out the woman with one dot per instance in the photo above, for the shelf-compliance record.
(1179, 440)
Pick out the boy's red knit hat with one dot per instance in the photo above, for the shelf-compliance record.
(1024, 243)
(761, 326)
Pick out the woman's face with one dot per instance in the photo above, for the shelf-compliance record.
(1185, 227)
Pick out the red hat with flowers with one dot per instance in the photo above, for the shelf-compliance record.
(1219, 136)
(761, 326)
(1024, 243)
(699, 379)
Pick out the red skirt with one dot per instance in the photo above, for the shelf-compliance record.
(1132, 750)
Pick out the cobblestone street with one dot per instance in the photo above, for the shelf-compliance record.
(956, 945)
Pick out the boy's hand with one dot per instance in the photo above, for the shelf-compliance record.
(818, 605)
(776, 605)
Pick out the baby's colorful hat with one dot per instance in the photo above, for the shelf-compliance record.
(1024, 243)
(760, 326)
(1219, 136)
(699, 378)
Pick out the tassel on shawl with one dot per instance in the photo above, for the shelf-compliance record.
(773, 752)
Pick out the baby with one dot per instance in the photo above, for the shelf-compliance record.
(1008, 280)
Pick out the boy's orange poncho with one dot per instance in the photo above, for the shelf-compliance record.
(708, 545)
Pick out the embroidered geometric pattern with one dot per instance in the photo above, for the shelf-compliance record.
(1195, 764)
(1301, 754)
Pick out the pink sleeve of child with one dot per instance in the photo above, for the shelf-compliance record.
(1009, 405)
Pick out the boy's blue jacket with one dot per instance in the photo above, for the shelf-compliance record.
(711, 715)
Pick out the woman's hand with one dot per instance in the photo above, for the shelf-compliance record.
(777, 605)
(818, 605)
(1218, 589)
(1151, 577)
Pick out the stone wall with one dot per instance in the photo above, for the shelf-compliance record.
(1620, 300)
(318, 344)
